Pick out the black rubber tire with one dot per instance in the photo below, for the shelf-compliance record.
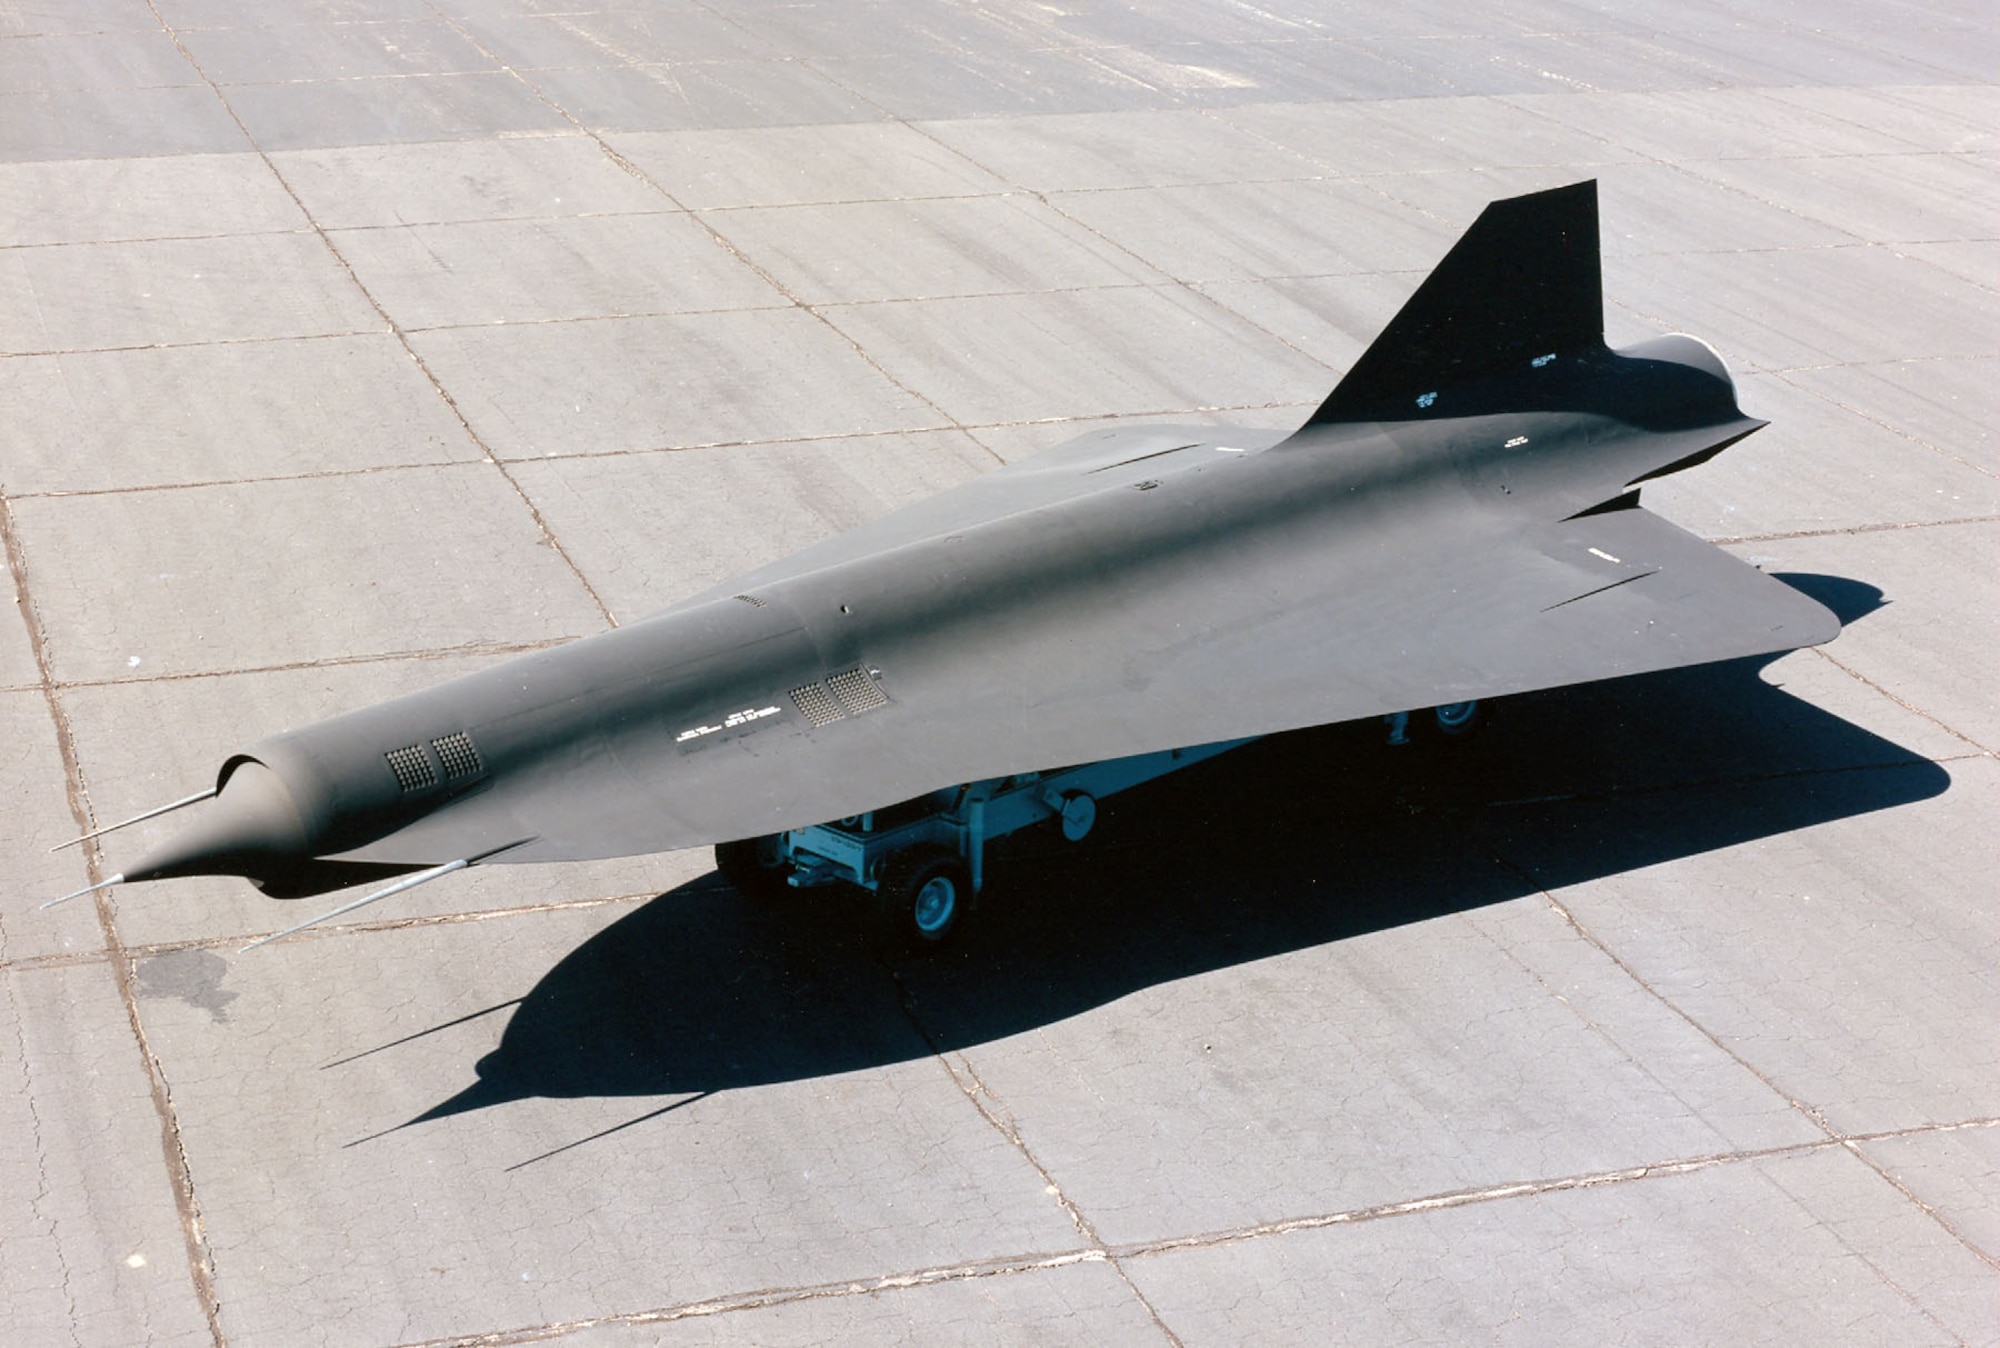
(753, 868)
(925, 897)
(1458, 721)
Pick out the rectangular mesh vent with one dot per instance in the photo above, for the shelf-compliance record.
(817, 704)
(413, 770)
(459, 756)
(752, 600)
(856, 691)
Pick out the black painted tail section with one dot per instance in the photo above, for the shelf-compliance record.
(1524, 282)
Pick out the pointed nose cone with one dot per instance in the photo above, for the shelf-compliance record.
(252, 829)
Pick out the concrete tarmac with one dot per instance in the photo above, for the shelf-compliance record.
(349, 344)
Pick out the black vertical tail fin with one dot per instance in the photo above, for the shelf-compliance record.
(1523, 282)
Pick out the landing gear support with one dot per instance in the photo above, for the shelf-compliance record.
(925, 860)
(756, 867)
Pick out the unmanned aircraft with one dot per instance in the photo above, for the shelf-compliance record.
(1459, 521)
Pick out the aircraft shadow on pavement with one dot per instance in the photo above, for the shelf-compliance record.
(1290, 843)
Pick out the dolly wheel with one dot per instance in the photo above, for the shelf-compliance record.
(754, 867)
(1459, 720)
(925, 896)
(1079, 816)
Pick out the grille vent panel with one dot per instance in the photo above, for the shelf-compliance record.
(412, 768)
(459, 755)
(817, 704)
(848, 693)
(856, 691)
(752, 600)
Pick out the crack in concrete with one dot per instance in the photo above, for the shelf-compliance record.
(115, 348)
(963, 1075)
(53, 244)
(1518, 1189)
(1902, 702)
(1837, 1232)
(179, 1175)
(777, 1296)
(1605, 1033)
(1576, 924)
(436, 919)
(1096, 1252)
(317, 475)
(608, 316)
(1811, 1113)
(1855, 1144)
(324, 662)
(1845, 531)
(233, 942)
(49, 1224)
(1869, 362)
(1893, 429)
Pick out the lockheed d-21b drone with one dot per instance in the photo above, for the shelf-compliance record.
(1459, 521)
